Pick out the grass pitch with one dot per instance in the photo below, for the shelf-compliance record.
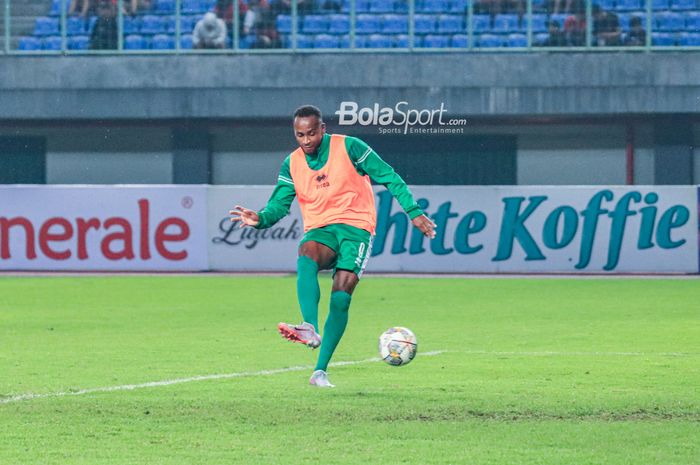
(550, 371)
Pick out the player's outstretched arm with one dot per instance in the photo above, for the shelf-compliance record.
(244, 216)
(425, 225)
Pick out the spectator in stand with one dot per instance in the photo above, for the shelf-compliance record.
(637, 36)
(258, 24)
(556, 37)
(224, 10)
(210, 32)
(555, 7)
(104, 34)
(606, 28)
(575, 25)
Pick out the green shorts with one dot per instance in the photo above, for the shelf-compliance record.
(352, 245)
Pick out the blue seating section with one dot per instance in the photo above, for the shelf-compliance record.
(379, 24)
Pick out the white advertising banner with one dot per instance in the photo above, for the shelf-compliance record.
(150, 228)
(592, 229)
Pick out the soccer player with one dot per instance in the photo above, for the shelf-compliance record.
(330, 175)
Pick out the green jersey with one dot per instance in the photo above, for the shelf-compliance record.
(366, 162)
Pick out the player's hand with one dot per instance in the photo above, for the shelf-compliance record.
(425, 224)
(244, 216)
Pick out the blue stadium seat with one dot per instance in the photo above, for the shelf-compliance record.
(326, 41)
(75, 26)
(344, 41)
(338, 24)
(432, 6)
(669, 21)
(424, 24)
(450, 24)
(691, 39)
(662, 39)
(394, 24)
(284, 24)
(458, 6)
(193, 6)
(436, 41)
(605, 4)
(381, 6)
(186, 42)
(459, 41)
(134, 42)
(367, 24)
(91, 24)
(132, 24)
(682, 5)
(539, 23)
(164, 7)
(379, 41)
(151, 24)
(56, 7)
(559, 18)
(401, 41)
(540, 39)
(78, 43)
(29, 44)
(361, 6)
(539, 5)
(628, 5)
(46, 27)
(516, 40)
(692, 21)
(187, 23)
(490, 41)
(659, 4)
(315, 24)
(52, 43)
(163, 42)
(624, 20)
(401, 6)
(506, 23)
(305, 41)
(481, 23)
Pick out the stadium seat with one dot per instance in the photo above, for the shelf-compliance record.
(458, 6)
(394, 24)
(490, 41)
(29, 44)
(459, 41)
(539, 23)
(132, 24)
(435, 41)
(284, 24)
(540, 39)
(75, 26)
(669, 21)
(506, 23)
(305, 41)
(401, 6)
(361, 6)
(682, 5)
(659, 4)
(338, 24)
(186, 42)
(628, 5)
(44, 26)
(402, 41)
(192, 6)
(379, 41)
(692, 21)
(432, 6)
(56, 7)
(367, 24)
(52, 43)
(662, 39)
(163, 42)
(605, 4)
(326, 41)
(624, 20)
(78, 43)
(134, 42)
(690, 39)
(91, 24)
(315, 24)
(516, 40)
(481, 23)
(151, 24)
(164, 7)
(381, 6)
(344, 41)
(424, 24)
(450, 24)
(560, 18)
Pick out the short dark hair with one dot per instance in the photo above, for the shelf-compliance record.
(308, 110)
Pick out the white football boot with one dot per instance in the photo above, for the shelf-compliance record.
(320, 379)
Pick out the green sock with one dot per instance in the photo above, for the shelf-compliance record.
(308, 291)
(334, 328)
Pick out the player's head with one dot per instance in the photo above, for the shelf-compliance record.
(309, 128)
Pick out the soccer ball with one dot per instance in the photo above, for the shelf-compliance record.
(397, 346)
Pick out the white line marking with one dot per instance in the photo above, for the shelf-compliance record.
(585, 354)
(169, 382)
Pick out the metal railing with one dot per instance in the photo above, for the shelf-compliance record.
(307, 26)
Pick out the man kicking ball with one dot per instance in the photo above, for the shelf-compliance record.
(330, 176)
